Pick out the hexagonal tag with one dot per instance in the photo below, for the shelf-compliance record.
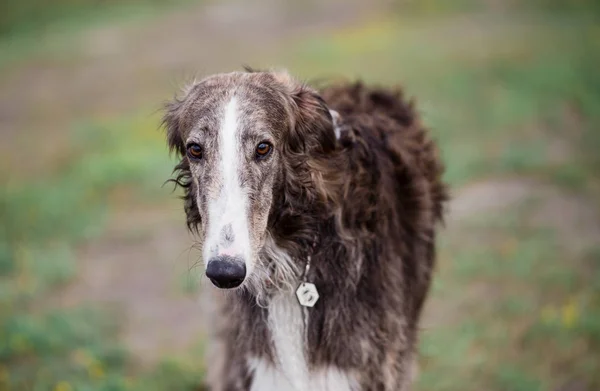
(307, 294)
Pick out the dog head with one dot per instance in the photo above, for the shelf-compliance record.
(252, 148)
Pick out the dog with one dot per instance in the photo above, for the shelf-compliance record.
(316, 214)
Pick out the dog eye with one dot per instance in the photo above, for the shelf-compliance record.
(194, 151)
(263, 150)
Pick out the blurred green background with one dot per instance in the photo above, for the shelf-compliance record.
(97, 277)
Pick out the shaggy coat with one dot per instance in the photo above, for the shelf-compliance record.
(355, 185)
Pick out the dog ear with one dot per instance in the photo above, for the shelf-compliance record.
(312, 128)
(312, 157)
(172, 123)
(174, 126)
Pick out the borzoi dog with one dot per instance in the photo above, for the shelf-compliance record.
(316, 212)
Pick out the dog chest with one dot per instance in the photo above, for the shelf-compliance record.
(291, 369)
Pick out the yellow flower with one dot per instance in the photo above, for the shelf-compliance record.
(63, 386)
(570, 314)
(96, 371)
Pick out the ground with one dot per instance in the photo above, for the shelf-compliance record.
(511, 98)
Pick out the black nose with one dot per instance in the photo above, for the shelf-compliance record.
(226, 272)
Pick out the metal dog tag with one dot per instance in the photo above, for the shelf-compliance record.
(307, 294)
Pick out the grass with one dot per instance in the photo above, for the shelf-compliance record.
(45, 29)
(522, 312)
(35, 16)
(75, 349)
(528, 311)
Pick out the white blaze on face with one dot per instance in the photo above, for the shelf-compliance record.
(229, 208)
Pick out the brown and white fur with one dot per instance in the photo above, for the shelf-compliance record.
(352, 180)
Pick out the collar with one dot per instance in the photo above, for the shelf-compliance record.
(335, 118)
(307, 292)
